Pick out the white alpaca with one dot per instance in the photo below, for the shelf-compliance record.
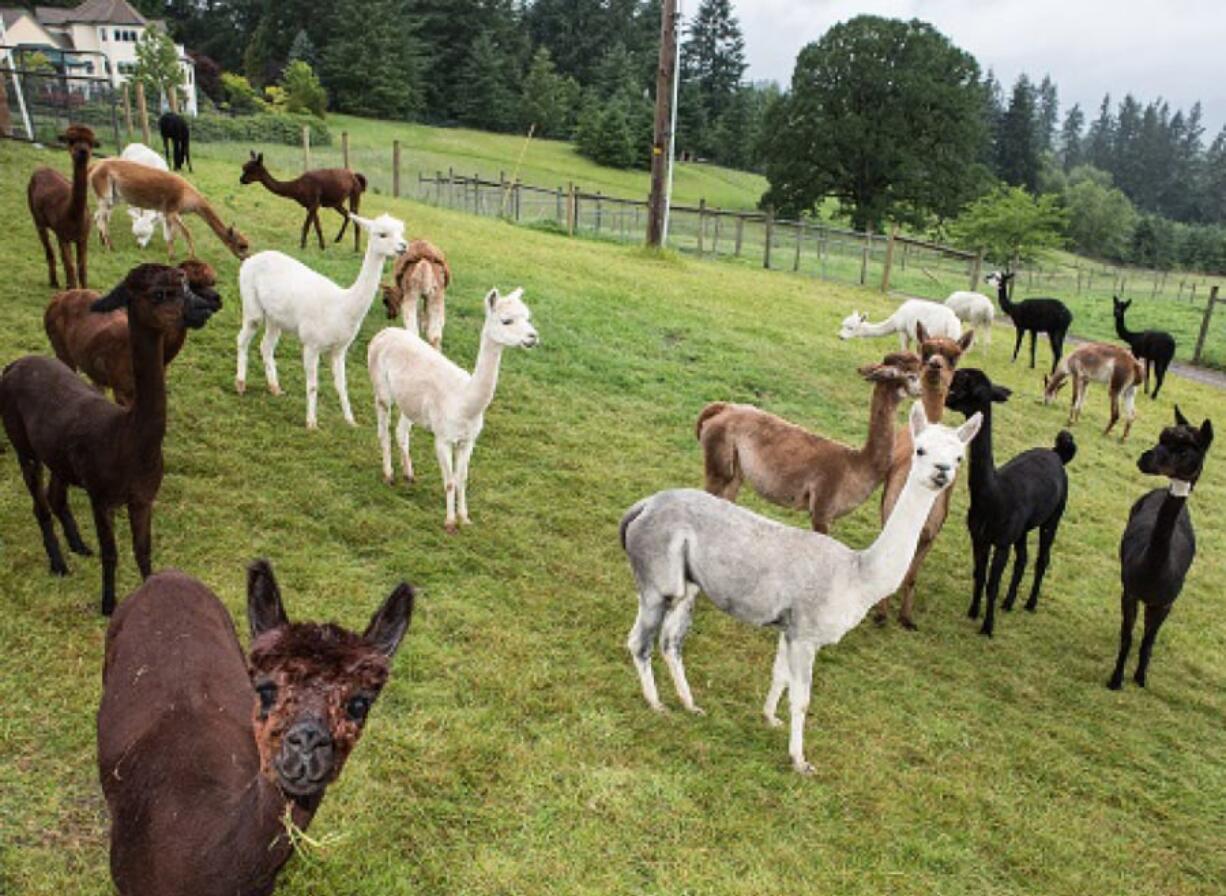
(973, 308)
(937, 320)
(810, 587)
(433, 392)
(289, 297)
(144, 220)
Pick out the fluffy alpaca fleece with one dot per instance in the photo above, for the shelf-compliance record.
(937, 320)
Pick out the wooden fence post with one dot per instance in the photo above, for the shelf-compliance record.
(864, 253)
(127, 110)
(599, 211)
(570, 208)
(1204, 325)
(702, 218)
(740, 233)
(306, 148)
(800, 238)
(889, 258)
(976, 270)
(396, 168)
(344, 149)
(715, 237)
(143, 111)
(770, 232)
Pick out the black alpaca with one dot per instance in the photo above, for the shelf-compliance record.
(1158, 544)
(1034, 316)
(175, 132)
(1028, 492)
(1151, 346)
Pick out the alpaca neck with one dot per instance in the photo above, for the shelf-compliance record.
(1164, 524)
(480, 390)
(933, 399)
(885, 562)
(983, 464)
(1122, 331)
(878, 450)
(885, 328)
(280, 187)
(204, 210)
(80, 188)
(148, 412)
(358, 297)
(1002, 294)
(257, 844)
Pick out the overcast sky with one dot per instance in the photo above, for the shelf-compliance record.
(1169, 48)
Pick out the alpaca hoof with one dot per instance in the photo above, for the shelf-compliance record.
(1007, 606)
(351, 422)
(907, 624)
(313, 425)
(274, 389)
(465, 521)
(985, 631)
(696, 709)
(1115, 684)
(803, 767)
(409, 478)
(774, 721)
(450, 527)
(81, 550)
(1139, 680)
(658, 707)
(880, 618)
(1031, 606)
(389, 479)
(240, 386)
(972, 613)
(59, 569)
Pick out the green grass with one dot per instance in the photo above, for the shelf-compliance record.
(512, 752)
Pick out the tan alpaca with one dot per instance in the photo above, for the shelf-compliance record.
(116, 180)
(1098, 362)
(421, 272)
(790, 466)
(940, 357)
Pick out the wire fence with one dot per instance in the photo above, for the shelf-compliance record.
(38, 100)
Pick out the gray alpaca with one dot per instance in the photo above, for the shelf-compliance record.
(811, 587)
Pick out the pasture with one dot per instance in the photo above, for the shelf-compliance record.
(512, 751)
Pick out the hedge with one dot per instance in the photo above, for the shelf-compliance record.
(263, 128)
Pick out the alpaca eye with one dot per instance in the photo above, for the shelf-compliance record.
(358, 707)
(507, 321)
(920, 452)
(268, 697)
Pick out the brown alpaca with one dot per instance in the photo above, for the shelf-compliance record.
(59, 206)
(54, 418)
(206, 756)
(97, 344)
(792, 467)
(940, 357)
(326, 187)
(140, 186)
(420, 273)
(1099, 362)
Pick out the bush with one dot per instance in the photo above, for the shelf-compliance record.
(303, 92)
(240, 95)
(265, 128)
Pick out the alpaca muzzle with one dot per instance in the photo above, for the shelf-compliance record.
(305, 762)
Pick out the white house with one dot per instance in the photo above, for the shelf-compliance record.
(97, 38)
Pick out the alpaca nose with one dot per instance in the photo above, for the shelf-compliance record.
(943, 468)
(307, 738)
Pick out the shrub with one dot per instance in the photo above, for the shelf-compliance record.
(303, 92)
(240, 95)
(265, 128)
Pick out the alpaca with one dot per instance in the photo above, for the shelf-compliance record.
(1033, 316)
(98, 344)
(1159, 545)
(973, 308)
(940, 357)
(811, 587)
(1155, 347)
(52, 417)
(327, 187)
(937, 320)
(144, 220)
(421, 273)
(206, 755)
(1028, 492)
(1098, 362)
(433, 392)
(115, 180)
(175, 132)
(287, 296)
(792, 467)
(58, 205)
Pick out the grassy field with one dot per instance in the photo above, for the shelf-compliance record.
(512, 752)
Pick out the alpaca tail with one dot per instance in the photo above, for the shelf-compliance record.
(1065, 447)
(631, 515)
(361, 179)
(715, 407)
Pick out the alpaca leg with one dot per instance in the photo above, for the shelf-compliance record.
(340, 210)
(642, 636)
(672, 638)
(70, 272)
(1057, 349)
(383, 413)
(907, 591)
(1159, 376)
(140, 520)
(1017, 345)
(1000, 558)
(57, 497)
(32, 472)
(102, 220)
(318, 230)
(1034, 337)
(268, 353)
(463, 453)
(342, 387)
(981, 550)
(442, 450)
(1130, 410)
(246, 333)
(1020, 556)
(403, 430)
(106, 549)
(800, 666)
(306, 228)
(310, 365)
(1128, 619)
(1047, 537)
(355, 200)
(779, 683)
(52, 278)
(1115, 412)
(187, 235)
(1154, 617)
(436, 316)
(82, 255)
(1147, 366)
(904, 340)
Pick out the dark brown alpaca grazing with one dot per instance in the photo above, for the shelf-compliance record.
(98, 345)
(324, 187)
(205, 755)
(59, 205)
(55, 419)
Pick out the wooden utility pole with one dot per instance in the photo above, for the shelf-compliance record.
(661, 141)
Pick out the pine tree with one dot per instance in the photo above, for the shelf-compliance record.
(1017, 148)
(1100, 141)
(713, 55)
(1071, 150)
(485, 96)
(303, 48)
(547, 99)
(373, 64)
(1048, 114)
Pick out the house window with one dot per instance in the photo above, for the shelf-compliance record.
(102, 35)
(118, 34)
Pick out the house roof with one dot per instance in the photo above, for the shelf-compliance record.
(10, 16)
(110, 12)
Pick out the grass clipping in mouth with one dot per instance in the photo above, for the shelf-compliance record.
(307, 848)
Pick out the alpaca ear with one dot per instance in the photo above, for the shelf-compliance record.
(364, 223)
(264, 608)
(491, 298)
(260, 158)
(967, 340)
(1206, 435)
(391, 621)
(252, 154)
(1180, 419)
(921, 334)
(918, 419)
(117, 298)
(1000, 394)
(970, 428)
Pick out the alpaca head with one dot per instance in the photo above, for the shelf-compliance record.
(159, 298)
(253, 169)
(393, 298)
(850, 328)
(143, 223)
(938, 450)
(508, 321)
(970, 391)
(80, 141)
(898, 369)
(1118, 307)
(940, 356)
(386, 234)
(313, 684)
(998, 278)
(237, 243)
(203, 280)
(1180, 452)
(1052, 384)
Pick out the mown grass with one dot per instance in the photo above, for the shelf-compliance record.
(512, 752)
